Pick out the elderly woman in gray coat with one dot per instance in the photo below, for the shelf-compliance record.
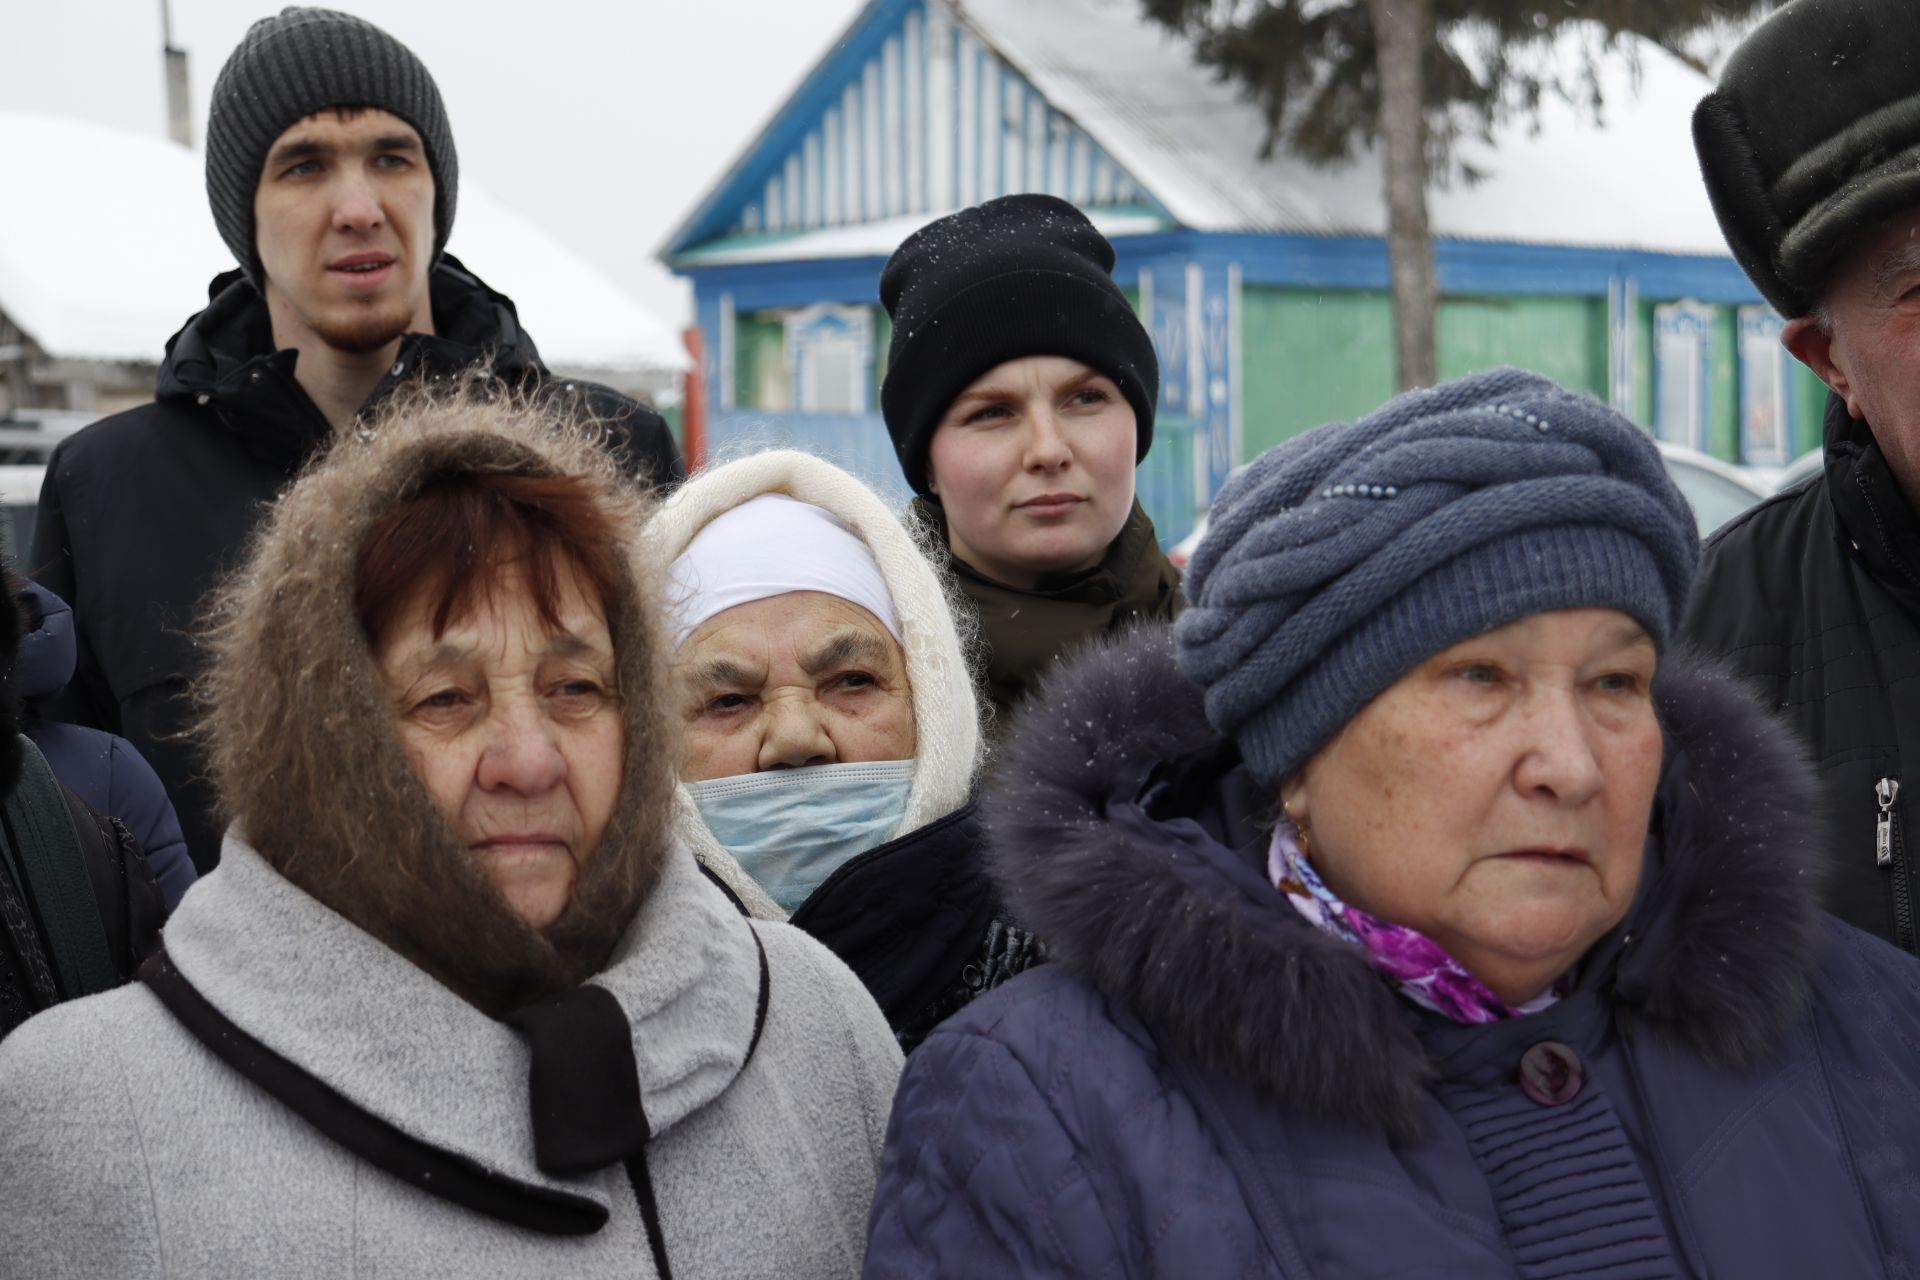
(455, 1003)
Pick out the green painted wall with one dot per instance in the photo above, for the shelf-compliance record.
(1564, 338)
(1311, 357)
(1723, 404)
(1643, 365)
(1810, 408)
(759, 360)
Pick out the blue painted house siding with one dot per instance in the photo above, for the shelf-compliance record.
(913, 115)
(907, 116)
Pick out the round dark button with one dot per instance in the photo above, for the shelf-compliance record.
(1550, 1073)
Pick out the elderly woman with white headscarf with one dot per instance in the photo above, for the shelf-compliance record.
(832, 730)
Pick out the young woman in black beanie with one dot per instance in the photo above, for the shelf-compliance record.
(1019, 394)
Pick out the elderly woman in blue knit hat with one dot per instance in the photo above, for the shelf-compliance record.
(1416, 910)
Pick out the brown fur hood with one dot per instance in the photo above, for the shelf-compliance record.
(301, 740)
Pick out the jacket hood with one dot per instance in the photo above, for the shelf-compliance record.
(300, 738)
(1126, 837)
(219, 348)
(945, 710)
(48, 652)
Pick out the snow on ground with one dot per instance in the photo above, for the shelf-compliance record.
(108, 245)
(1629, 182)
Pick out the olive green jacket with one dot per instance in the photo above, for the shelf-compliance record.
(1022, 633)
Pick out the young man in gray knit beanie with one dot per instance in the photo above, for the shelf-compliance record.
(332, 175)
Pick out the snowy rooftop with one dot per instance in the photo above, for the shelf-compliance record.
(1630, 181)
(877, 239)
(109, 247)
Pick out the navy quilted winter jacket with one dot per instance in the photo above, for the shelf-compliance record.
(1204, 1086)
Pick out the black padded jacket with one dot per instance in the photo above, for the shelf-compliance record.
(1814, 596)
(142, 512)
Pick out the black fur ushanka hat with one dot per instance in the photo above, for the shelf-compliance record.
(1812, 137)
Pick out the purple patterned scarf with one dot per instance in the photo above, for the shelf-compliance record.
(1412, 963)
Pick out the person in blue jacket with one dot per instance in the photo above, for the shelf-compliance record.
(1417, 911)
(101, 768)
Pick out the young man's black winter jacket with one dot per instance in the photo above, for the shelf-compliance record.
(142, 512)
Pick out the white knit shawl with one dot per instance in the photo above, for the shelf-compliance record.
(945, 708)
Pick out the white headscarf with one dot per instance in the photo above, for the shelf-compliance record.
(769, 546)
(947, 742)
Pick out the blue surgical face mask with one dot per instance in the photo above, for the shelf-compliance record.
(792, 828)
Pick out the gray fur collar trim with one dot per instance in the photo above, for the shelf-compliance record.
(1166, 925)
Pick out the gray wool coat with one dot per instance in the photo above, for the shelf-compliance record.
(284, 1096)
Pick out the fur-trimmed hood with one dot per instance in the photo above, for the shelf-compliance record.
(1126, 835)
(945, 709)
(301, 740)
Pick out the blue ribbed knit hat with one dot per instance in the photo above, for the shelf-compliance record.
(1342, 559)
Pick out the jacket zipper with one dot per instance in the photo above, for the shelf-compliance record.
(1889, 852)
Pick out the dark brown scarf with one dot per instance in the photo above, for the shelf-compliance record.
(1022, 633)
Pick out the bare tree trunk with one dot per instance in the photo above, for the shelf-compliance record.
(1402, 29)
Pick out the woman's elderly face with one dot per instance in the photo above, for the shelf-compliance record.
(1033, 466)
(798, 679)
(1497, 797)
(515, 729)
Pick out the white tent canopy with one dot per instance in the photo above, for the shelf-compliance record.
(107, 245)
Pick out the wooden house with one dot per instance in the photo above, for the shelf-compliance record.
(1586, 250)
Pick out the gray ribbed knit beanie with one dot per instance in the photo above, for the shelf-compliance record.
(1342, 559)
(292, 65)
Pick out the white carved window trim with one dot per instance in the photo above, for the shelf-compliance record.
(1683, 372)
(1766, 406)
(830, 358)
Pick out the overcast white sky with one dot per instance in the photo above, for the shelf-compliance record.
(603, 120)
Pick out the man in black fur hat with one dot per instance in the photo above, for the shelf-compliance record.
(1811, 152)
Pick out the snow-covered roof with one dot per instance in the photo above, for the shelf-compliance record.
(1089, 100)
(878, 239)
(1629, 181)
(108, 244)
(578, 317)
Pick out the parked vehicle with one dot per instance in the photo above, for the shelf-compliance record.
(26, 442)
(1807, 464)
(19, 496)
(1717, 491)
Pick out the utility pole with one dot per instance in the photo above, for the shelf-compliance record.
(174, 68)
